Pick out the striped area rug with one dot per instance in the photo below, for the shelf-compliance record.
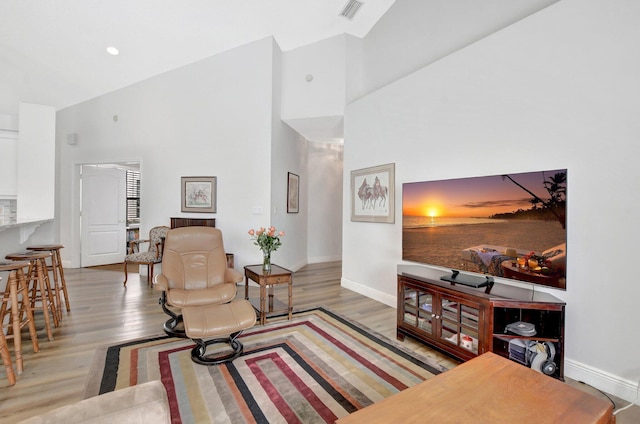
(316, 368)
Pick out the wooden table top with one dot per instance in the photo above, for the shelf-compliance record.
(256, 270)
(488, 389)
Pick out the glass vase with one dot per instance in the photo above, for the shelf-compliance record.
(266, 261)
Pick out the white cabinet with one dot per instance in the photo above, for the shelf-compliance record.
(27, 171)
(36, 162)
(9, 166)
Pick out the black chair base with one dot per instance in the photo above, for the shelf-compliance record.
(199, 352)
(174, 326)
(171, 327)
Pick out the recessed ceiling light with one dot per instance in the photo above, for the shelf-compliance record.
(113, 51)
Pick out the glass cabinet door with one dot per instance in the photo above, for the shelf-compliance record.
(410, 306)
(418, 309)
(425, 312)
(459, 321)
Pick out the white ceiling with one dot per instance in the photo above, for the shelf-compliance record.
(53, 52)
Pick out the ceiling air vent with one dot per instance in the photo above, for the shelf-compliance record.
(350, 9)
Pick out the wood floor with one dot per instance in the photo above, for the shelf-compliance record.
(103, 312)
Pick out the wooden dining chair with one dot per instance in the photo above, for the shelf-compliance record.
(151, 257)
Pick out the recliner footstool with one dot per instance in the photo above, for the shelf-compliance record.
(213, 321)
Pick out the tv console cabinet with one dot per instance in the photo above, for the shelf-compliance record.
(465, 321)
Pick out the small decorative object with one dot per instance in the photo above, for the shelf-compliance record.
(198, 194)
(293, 193)
(466, 342)
(373, 194)
(521, 328)
(268, 240)
(539, 264)
(512, 253)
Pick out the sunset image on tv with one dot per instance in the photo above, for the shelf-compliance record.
(511, 225)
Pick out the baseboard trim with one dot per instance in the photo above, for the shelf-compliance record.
(322, 259)
(382, 297)
(602, 380)
(297, 266)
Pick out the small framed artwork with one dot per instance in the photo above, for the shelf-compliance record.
(198, 194)
(373, 194)
(293, 193)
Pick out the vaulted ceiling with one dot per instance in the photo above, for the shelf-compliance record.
(54, 52)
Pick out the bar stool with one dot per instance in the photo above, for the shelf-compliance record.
(40, 285)
(19, 309)
(6, 358)
(55, 268)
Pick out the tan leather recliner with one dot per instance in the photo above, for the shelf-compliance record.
(194, 273)
(195, 279)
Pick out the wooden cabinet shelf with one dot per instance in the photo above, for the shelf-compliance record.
(466, 321)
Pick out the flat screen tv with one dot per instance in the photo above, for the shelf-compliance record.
(511, 226)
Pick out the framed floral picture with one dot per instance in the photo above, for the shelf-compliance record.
(198, 194)
(373, 194)
(293, 193)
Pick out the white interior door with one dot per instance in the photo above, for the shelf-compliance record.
(103, 216)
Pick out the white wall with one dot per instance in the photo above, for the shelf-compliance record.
(219, 116)
(354, 68)
(324, 204)
(8, 122)
(559, 89)
(415, 33)
(324, 95)
(316, 108)
(288, 154)
(213, 117)
(314, 91)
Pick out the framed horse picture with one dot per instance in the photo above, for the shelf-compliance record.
(373, 194)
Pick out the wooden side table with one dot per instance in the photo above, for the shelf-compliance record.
(277, 275)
